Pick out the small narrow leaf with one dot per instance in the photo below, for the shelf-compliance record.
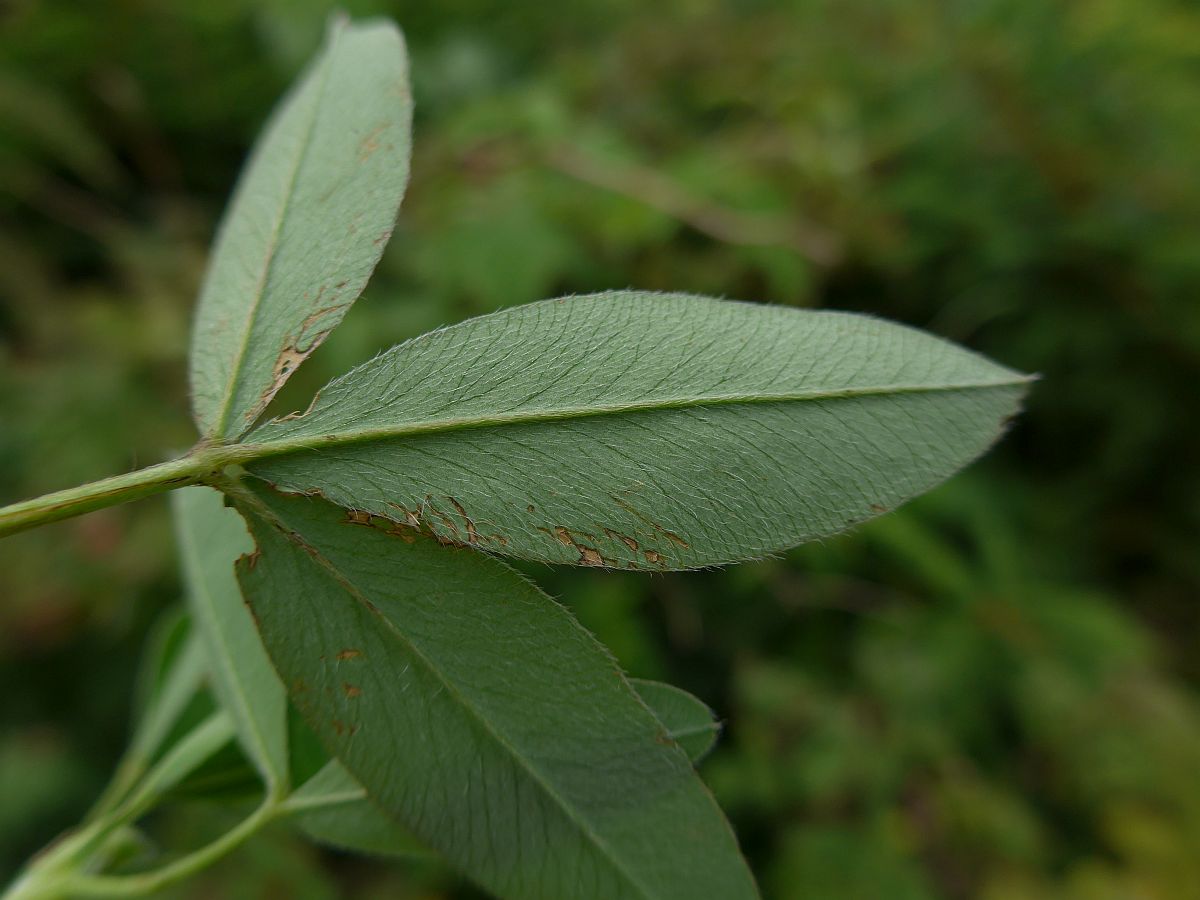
(476, 711)
(211, 537)
(647, 431)
(180, 760)
(688, 720)
(333, 808)
(176, 676)
(307, 223)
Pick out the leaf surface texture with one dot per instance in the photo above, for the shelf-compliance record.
(476, 711)
(637, 430)
(308, 221)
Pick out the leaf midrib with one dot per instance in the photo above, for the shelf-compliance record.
(452, 690)
(250, 451)
(222, 419)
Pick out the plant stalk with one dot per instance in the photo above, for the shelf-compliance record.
(190, 469)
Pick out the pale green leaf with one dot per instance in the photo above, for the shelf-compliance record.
(181, 759)
(173, 675)
(688, 720)
(308, 221)
(211, 537)
(333, 808)
(476, 711)
(648, 431)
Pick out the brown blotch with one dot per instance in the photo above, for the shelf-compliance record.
(669, 535)
(351, 690)
(589, 557)
(318, 314)
(472, 534)
(349, 654)
(652, 557)
(674, 538)
(877, 508)
(370, 143)
(358, 517)
(343, 728)
(287, 361)
(292, 416)
(530, 508)
(410, 517)
(446, 520)
(623, 538)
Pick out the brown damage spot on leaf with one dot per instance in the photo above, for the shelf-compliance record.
(403, 532)
(530, 509)
(343, 728)
(358, 517)
(319, 315)
(292, 416)
(411, 519)
(674, 538)
(349, 654)
(431, 510)
(369, 144)
(351, 690)
(285, 364)
(652, 557)
(588, 556)
(472, 534)
(250, 560)
(623, 538)
(669, 535)
(878, 508)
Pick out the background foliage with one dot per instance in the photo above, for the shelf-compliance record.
(991, 693)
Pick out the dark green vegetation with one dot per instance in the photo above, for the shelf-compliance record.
(988, 693)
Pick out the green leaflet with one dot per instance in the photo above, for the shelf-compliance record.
(646, 431)
(211, 537)
(476, 711)
(307, 223)
(687, 719)
(333, 808)
(172, 674)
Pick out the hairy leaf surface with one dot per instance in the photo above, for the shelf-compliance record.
(636, 430)
(477, 711)
(211, 537)
(687, 719)
(333, 808)
(308, 221)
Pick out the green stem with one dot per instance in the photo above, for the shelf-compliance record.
(149, 882)
(53, 873)
(180, 761)
(191, 469)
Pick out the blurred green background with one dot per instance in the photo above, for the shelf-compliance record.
(992, 693)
